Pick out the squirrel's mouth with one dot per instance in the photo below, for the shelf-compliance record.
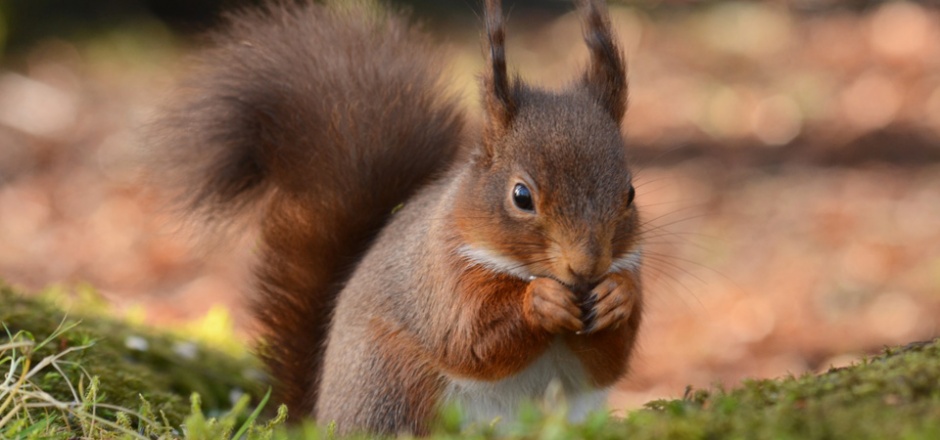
(580, 287)
(583, 288)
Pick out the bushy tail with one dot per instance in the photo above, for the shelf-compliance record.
(321, 119)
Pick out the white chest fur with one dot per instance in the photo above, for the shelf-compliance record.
(483, 402)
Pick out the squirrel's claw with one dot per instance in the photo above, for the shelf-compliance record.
(552, 306)
(615, 300)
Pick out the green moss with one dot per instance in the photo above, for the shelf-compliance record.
(130, 361)
(894, 395)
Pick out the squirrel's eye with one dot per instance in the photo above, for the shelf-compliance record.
(522, 198)
(630, 195)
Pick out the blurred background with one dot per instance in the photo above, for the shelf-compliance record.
(787, 157)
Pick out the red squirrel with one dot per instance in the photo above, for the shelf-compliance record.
(404, 264)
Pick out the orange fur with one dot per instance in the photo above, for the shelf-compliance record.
(490, 338)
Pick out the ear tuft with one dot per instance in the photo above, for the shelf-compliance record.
(606, 76)
(498, 90)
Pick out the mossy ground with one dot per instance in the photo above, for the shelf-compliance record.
(129, 361)
(894, 395)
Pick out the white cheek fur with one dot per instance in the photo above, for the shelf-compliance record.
(493, 261)
(501, 264)
(630, 261)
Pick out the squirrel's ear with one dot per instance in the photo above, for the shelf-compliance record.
(606, 76)
(498, 91)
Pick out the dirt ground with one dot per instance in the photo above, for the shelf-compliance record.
(788, 171)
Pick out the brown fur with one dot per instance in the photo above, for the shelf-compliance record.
(606, 76)
(414, 401)
(323, 119)
(499, 89)
(490, 338)
(606, 353)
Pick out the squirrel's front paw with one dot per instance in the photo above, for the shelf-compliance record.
(612, 302)
(552, 306)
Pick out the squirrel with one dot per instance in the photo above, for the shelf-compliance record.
(403, 263)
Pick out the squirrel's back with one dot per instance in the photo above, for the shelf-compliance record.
(321, 120)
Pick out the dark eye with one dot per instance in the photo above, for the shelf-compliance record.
(522, 198)
(630, 195)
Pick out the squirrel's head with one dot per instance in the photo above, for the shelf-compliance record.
(549, 193)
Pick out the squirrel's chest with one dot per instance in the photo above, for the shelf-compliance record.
(558, 368)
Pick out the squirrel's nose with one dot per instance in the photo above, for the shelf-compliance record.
(587, 273)
(586, 260)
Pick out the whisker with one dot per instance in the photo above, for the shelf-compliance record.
(668, 262)
(664, 225)
(659, 257)
(659, 275)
